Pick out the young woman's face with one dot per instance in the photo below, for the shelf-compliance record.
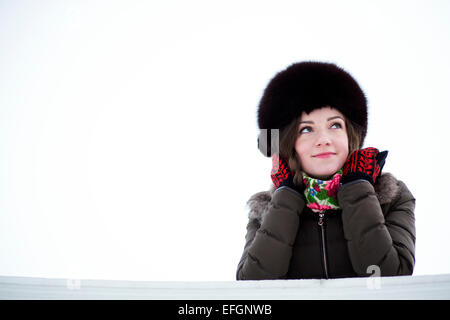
(322, 142)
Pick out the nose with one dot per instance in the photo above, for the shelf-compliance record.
(323, 140)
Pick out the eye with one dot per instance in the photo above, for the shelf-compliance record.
(303, 130)
(336, 125)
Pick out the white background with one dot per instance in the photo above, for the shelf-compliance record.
(128, 128)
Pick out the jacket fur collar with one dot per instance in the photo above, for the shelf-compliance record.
(386, 188)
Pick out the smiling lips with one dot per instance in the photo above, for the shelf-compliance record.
(324, 155)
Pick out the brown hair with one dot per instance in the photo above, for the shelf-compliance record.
(288, 137)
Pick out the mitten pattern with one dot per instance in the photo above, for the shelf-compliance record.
(281, 173)
(364, 164)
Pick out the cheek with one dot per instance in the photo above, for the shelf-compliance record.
(342, 146)
(303, 149)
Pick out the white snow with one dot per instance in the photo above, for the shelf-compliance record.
(396, 288)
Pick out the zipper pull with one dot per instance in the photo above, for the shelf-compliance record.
(320, 222)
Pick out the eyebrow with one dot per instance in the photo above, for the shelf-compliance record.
(329, 119)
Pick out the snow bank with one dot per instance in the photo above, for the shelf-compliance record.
(404, 287)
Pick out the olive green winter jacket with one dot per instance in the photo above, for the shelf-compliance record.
(373, 231)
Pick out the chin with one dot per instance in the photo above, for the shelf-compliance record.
(324, 177)
(325, 174)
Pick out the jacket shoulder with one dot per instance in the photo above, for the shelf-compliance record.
(388, 188)
(258, 204)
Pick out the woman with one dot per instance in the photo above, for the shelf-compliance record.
(330, 213)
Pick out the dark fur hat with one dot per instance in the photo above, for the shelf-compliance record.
(306, 86)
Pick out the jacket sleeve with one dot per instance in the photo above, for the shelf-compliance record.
(373, 238)
(268, 248)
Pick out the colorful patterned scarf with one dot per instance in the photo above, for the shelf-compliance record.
(322, 195)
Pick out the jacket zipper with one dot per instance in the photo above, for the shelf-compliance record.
(324, 252)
